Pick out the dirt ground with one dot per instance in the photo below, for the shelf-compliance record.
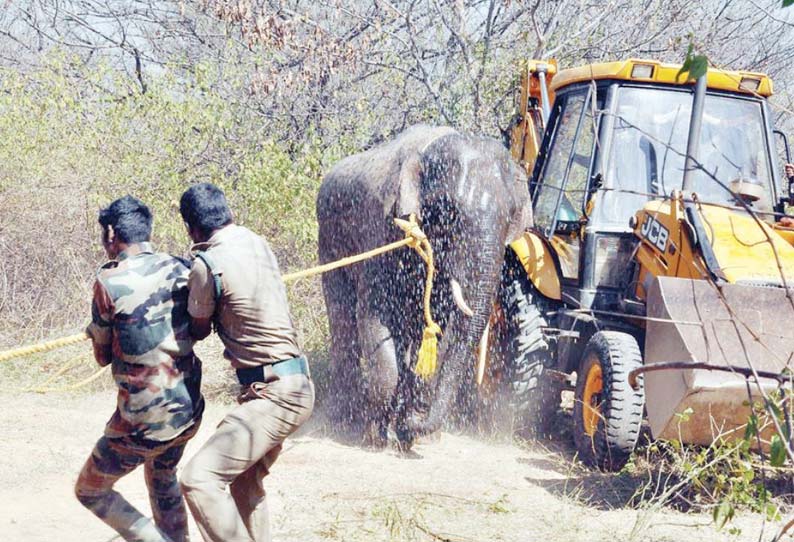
(454, 488)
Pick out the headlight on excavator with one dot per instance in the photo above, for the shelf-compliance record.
(642, 71)
(613, 253)
(749, 83)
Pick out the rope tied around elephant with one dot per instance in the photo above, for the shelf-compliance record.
(415, 238)
(427, 357)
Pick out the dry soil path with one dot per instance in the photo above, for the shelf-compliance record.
(457, 488)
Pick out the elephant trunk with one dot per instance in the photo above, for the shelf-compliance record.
(463, 334)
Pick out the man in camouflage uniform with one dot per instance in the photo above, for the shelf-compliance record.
(140, 326)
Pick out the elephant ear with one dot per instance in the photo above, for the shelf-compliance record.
(408, 190)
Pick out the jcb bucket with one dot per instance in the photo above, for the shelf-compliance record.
(692, 321)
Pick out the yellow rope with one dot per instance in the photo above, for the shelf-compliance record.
(42, 347)
(77, 385)
(69, 365)
(414, 238)
(350, 260)
(426, 362)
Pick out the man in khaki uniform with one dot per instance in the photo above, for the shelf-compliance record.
(236, 285)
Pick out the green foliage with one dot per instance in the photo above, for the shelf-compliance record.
(403, 522)
(694, 65)
(71, 142)
(724, 477)
(722, 514)
(731, 474)
(777, 453)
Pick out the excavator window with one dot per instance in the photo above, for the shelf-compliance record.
(559, 203)
(565, 172)
(648, 146)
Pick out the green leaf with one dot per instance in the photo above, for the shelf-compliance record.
(700, 65)
(722, 514)
(687, 63)
(777, 452)
(694, 65)
(775, 408)
(752, 423)
(771, 510)
(787, 3)
(685, 415)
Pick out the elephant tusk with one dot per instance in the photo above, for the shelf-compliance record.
(483, 354)
(457, 295)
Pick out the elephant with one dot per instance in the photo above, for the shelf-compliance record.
(470, 198)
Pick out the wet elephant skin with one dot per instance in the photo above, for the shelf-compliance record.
(471, 199)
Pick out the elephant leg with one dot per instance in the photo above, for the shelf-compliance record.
(405, 398)
(378, 347)
(346, 393)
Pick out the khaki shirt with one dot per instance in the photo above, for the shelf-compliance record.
(252, 314)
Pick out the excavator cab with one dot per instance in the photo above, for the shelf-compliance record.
(626, 250)
(613, 145)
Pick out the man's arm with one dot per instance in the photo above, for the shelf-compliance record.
(201, 300)
(103, 354)
(200, 328)
(100, 330)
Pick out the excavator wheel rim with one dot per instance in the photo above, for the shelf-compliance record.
(593, 387)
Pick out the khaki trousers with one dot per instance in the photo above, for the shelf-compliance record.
(238, 456)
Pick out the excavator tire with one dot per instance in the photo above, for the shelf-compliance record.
(607, 411)
(534, 396)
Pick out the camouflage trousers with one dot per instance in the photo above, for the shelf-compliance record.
(113, 458)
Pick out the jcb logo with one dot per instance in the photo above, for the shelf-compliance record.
(655, 233)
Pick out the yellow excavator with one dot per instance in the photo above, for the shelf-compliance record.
(657, 281)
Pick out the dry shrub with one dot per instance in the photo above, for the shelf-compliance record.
(67, 150)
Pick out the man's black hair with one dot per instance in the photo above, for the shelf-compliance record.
(203, 206)
(131, 220)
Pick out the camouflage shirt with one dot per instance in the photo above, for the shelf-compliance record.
(140, 309)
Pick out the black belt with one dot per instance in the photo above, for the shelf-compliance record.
(291, 366)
